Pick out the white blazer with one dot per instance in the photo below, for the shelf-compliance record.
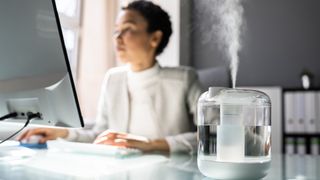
(176, 99)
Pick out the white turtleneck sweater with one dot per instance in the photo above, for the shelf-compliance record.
(155, 103)
(142, 87)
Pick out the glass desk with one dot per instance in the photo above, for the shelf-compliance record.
(53, 164)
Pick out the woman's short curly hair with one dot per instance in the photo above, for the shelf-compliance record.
(157, 19)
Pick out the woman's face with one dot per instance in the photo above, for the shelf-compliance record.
(132, 41)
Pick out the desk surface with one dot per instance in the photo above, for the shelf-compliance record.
(52, 164)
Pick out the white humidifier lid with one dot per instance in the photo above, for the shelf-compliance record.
(241, 97)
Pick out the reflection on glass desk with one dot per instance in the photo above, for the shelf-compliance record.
(52, 164)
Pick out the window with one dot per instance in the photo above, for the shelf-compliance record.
(69, 14)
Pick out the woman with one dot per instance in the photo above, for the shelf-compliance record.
(142, 98)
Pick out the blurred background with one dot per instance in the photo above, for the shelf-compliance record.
(280, 40)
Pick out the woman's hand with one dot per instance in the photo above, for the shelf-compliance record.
(131, 141)
(46, 133)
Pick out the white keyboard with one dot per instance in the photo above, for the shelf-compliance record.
(94, 149)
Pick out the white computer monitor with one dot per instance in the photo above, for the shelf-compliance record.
(35, 73)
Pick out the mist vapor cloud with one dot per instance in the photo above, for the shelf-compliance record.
(230, 14)
(227, 25)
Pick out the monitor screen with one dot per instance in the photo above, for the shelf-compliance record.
(35, 73)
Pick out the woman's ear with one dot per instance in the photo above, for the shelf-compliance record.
(156, 38)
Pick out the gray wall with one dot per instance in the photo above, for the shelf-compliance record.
(282, 37)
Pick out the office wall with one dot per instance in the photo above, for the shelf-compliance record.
(282, 37)
(171, 54)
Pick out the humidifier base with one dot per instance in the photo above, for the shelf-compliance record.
(233, 170)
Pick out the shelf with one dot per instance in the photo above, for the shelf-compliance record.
(300, 89)
(309, 135)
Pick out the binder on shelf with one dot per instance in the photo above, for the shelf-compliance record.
(299, 113)
(310, 112)
(318, 111)
(289, 145)
(315, 145)
(311, 167)
(289, 124)
(290, 167)
(301, 146)
(300, 165)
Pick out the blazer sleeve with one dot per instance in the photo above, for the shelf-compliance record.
(88, 135)
(187, 142)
